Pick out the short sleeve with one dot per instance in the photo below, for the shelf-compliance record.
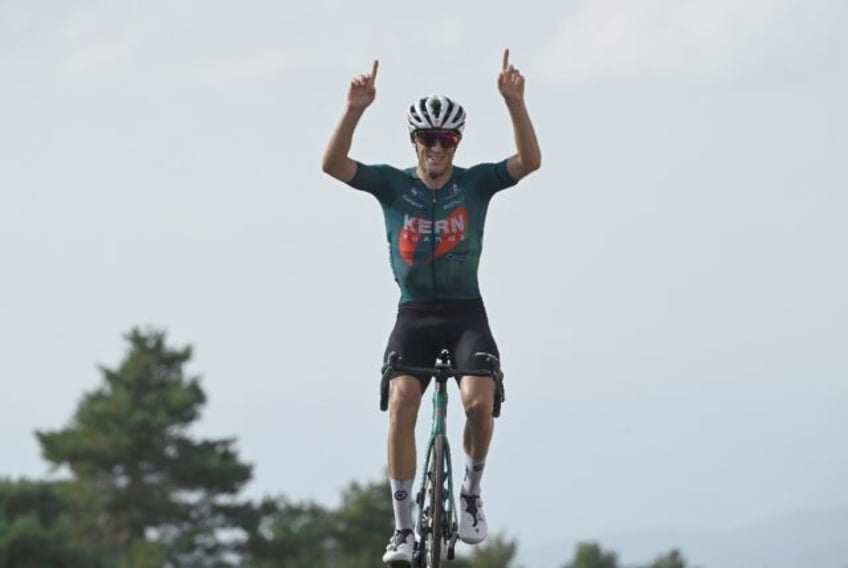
(492, 177)
(374, 179)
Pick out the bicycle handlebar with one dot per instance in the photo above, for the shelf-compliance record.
(440, 372)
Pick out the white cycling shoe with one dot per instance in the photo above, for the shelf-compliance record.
(400, 549)
(472, 521)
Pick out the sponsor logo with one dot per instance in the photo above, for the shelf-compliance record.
(453, 203)
(401, 495)
(447, 232)
(459, 257)
(416, 204)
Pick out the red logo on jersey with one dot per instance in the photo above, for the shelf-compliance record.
(447, 233)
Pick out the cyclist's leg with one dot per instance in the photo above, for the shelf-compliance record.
(404, 400)
(475, 341)
(478, 396)
(409, 339)
(412, 340)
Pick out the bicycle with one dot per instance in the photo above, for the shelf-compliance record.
(437, 529)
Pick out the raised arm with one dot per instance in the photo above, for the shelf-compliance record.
(361, 94)
(528, 157)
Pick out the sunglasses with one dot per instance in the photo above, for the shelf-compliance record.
(446, 138)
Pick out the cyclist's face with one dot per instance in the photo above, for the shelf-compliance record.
(435, 151)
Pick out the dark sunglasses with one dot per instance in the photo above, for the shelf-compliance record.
(446, 138)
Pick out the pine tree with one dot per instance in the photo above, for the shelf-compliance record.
(138, 475)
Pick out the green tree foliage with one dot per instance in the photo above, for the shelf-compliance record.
(497, 551)
(300, 535)
(138, 474)
(291, 535)
(364, 523)
(145, 554)
(591, 555)
(36, 529)
(673, 559)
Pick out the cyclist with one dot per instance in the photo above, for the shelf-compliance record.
(434, 214)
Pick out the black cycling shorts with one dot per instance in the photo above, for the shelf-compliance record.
(423, 329)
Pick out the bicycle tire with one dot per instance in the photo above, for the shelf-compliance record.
(437, 504)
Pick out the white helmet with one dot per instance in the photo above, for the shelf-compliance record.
(436, 111)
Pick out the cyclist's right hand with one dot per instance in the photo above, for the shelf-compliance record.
(362, 90)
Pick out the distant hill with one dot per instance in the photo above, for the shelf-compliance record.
(809, 539)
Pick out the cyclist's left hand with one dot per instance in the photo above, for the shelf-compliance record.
(510, 81)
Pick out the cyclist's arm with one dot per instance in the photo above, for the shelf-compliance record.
(337, 161)
(361, 94)
(528, 157)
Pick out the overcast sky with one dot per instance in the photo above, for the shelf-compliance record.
(668, 292)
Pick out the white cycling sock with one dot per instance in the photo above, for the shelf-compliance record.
(473, 474)
(402, 503)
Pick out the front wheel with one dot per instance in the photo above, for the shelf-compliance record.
(435, 535)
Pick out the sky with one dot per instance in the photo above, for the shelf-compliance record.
(667, 292)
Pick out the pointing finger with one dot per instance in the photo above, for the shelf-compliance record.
(506, 58)
(374, 69)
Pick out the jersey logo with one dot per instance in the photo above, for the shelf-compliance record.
(447, 233)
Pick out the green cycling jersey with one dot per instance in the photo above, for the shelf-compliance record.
(435, 236)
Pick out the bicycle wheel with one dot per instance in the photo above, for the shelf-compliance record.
(437, 504)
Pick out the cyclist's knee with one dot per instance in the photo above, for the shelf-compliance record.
(479, 408)
(478, 397)
(404, 399)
